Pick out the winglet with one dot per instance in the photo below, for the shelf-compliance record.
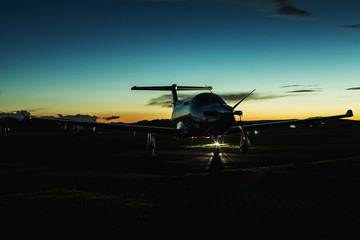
(349, 113)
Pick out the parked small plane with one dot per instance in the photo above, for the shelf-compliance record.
(204, 115)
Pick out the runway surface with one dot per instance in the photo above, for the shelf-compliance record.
(289, 191)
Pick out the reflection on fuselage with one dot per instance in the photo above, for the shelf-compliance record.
(190, 115)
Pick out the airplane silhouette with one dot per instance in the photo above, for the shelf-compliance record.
(204, 115)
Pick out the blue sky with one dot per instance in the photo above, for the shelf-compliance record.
(82, 57)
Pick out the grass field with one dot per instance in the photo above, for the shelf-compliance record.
(293, 183)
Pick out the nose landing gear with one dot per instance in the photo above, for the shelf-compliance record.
(216, 150)
(217, 140)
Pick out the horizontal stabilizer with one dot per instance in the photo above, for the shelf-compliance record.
(173, 88)
(170, 88)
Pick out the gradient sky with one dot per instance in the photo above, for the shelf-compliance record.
(82, 57)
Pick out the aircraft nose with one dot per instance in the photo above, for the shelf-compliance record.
(217, 111)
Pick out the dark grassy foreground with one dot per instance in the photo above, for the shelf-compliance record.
(292, 184)
(70, 210)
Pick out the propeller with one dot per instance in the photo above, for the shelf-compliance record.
(244, 135)
(243, 99)
(215, 113)
(237, 104)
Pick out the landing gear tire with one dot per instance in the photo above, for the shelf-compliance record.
(216, 151)
(244, 143)
(150, 144)
(244, 149)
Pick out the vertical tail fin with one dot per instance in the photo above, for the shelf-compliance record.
(173, 88)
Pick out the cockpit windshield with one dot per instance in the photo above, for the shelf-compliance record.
(208, 99)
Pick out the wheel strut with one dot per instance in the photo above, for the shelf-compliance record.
(150, 144)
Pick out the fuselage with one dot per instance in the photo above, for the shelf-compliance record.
(205, 114)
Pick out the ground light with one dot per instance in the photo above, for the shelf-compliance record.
(217, 148)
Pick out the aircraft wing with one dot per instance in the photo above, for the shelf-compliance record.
(259, 126)
(118, 126)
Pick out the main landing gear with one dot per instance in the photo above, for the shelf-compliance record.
(244, 143)
(150, 144)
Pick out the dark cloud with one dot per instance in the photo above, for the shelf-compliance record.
(166, 100)
(304, 91)
(351, 26)
(111, 118)
(79, 117)
(76, 117)
(353, 88)
(290, 86)
(291, 11)
(284, 8)
(235, 97)
(303, 88)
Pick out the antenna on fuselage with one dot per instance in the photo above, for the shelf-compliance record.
(209, 88)
(173, 88)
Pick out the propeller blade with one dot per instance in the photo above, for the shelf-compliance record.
(243, 99)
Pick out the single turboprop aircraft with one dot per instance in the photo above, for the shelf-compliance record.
(204, 115)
